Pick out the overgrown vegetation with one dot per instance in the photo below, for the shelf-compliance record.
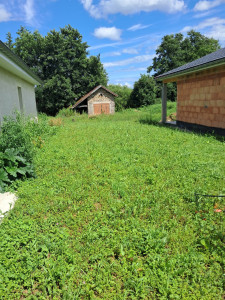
(123, 92)
(112, 215)
(152, 114)
(66, 112)
(19, 136)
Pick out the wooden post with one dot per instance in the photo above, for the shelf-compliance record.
(164, 102)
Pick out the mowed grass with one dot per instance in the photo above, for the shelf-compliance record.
(112, 215)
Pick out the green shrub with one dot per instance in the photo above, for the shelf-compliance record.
(39, 130)
(14, 135)
(123, 97)
(66, 112)
(12, 167)
(19, 137)
(158, 100)
(144, 92)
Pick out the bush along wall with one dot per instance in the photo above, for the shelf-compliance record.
(19, 137)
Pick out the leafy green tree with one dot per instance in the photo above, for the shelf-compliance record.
(9, 40)
(61, 60)
(196, 45)
(58, 87)
(169, 54)
(30, 48)
(175, 51)
(144, 92)
(96, 72)
(123, 93)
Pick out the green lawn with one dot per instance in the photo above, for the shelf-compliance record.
(112, 215)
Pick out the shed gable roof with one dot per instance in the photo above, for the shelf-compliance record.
(17, 61)
(208, 60)
(92, 92)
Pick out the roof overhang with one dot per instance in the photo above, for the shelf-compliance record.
(91, 93)
(13, 64)
(11, 67)
(178, 75)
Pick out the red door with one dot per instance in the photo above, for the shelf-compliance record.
(97, 109)
(101, 108)
(105, 108)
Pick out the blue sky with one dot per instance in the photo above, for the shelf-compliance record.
(126, 33)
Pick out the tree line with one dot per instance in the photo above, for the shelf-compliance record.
(61, 60)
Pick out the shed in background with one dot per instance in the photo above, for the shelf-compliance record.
(98, 101)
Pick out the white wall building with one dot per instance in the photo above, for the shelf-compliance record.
(17, 83)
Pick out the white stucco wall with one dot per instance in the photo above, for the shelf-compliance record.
(9, 97)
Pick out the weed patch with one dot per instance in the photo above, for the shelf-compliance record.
(55, 122)
(19, 138)
(66, 112)
(153, 116)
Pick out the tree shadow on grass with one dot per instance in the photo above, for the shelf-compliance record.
(218, 135)
(150, 120)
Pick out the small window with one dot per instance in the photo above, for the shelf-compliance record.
(101, 95)
(20, 99)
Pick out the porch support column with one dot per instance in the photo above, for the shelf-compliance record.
(164, 102)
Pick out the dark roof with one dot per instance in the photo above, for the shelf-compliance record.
(91, 92)
(211, 59)
(12, 56)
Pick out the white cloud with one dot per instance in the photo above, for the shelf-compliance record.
(187, 28)
(130, 51)
(205, 24)
(92, 9)
(133, 60)
(111, 54)
(206, 5)
(218, 32)
(29, 11)
(137, 27)
(136, 69)
(4, 14)
(213, 27)
(101, 46)
(120, 52)
(128, 84)
(148, 38)
(204, 14)
(128, 7)
(111, 33)
(123, 84)
(210, 22)
(18, 10)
